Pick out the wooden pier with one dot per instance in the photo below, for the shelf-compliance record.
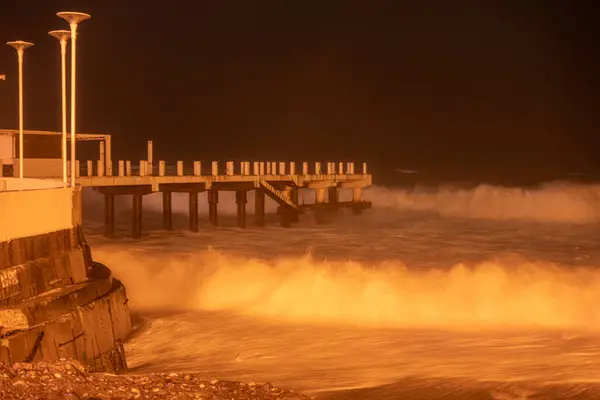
(278, 180)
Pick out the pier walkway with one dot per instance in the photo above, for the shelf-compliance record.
(280, 181)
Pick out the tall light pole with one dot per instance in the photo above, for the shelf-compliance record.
(63, 37)
(73, 18)
(20, 46)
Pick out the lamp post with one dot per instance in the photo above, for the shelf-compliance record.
(20, 46)
(73, 18)
(63, 37)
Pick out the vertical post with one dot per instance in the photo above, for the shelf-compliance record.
(332, 194)
(90, 168)
(241, 200)
(282, 168)
(150, 159)
(102, 158)
(121, 168)
(341, 168)
(256, 168)
(215, 168)
(364, 168)
(292, 168)
(268, 168)
(273, 168)
(109, 215)
(320, 195)
(100, 168)
(179, 168)
(109, 164)
(20, 56)
(161, 168)
(77, 169)
(197, 168)
(194, 211)
(213, 201)
(317, 168)
(128, 167)
(329, 168)
(167, 211)
(143, 167)
(304, 168)
(261, 168)
(356, 195)
(63, 74)
(259, 207)
(229, 168)
(137, 216)
(294, 216)
(356, 198)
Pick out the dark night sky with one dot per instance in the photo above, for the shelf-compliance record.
(479, 87)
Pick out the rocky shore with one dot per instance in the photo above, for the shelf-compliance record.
(68, 379)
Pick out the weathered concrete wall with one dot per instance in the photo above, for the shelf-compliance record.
(30, 212)
(55, 301)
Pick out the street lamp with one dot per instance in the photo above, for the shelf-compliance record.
(20, 46)
(73, 18)
(63, 37)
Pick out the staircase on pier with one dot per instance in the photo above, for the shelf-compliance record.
(280, 196)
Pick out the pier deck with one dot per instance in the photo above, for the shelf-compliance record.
(277, 180)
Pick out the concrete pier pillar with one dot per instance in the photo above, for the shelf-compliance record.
(109, 215)
(137, 216)
(241, 200)
(333, 194)
(356, 195)
(259, 207)
(320, 195)
(213, 201)
(294, 217)
(356, 198)
(194, 211)
(294, 195)
(167, 211)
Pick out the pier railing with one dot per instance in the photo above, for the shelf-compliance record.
(125, 168)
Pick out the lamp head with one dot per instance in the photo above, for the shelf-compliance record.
(61, 35)
(19, 45)
(73, 17)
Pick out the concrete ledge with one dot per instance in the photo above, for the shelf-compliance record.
(91, 333)
(35, 277)
(21, 250)
(52, 304)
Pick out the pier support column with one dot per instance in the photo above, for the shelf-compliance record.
(213, 201)
(295, 217)
(137, 216)
(194, 211)
(333, 194)
(286, 216)
(356, 198)
(320, 195)
(167, 211)
(259, 207)
(241, 200)
(109, 215)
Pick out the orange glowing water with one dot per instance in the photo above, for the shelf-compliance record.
(483, 292)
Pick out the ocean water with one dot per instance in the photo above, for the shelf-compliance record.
(446, 291)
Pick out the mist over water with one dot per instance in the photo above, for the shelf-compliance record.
(437, 281)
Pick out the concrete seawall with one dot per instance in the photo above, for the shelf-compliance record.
(55, 301)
